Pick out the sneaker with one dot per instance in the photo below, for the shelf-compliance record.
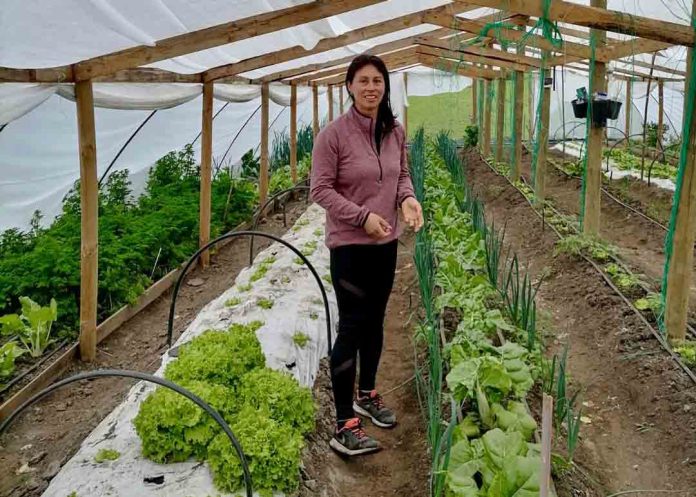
(351, 440)
(372, 406)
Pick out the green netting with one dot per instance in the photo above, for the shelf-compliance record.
(690, 99)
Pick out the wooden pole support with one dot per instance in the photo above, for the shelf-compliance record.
(405, 123)
(293, 133)
(329, 93)
(541, 166)
(487, 103)
(89, 205)
(593, 175)
(263, 170)
(546, 442)
(500, 124)
(679, 273)
(315, 110)
(660, 111)
(474, 101)
(206, 172)
(340, 97)
(532, 110)
(627, 106)
(517, 119)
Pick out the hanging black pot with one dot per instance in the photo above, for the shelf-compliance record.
(605, 109)
(579, 108)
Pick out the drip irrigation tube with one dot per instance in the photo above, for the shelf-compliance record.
(262, 209)
(33, 368)
(656, 333)
(109, 373)
(234, 234)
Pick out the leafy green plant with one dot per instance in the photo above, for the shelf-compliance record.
(573, 423)
(624, 280)
(233, 302)
(298, 261)
(318, 232)
(686, 350)
(300, 339)
(33, 327)
(265, 303)
(106, 455)
(260, 272)
(244, 288)
(327, 278)
(9, 352)
(652, 302)
(585, 245)
(471, 135)
(313, 315)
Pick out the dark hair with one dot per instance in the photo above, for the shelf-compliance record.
(386, 120)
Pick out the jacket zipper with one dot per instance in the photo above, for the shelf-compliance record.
(379, 160)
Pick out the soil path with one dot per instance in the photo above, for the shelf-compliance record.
(401, 468)
(641, 407)
(50, 433)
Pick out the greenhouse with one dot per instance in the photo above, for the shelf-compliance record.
(170, 310)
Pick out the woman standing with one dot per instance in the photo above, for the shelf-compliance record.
(360, 177)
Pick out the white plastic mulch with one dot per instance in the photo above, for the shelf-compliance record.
(297, 307)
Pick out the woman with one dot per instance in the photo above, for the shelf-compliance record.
(360, 177)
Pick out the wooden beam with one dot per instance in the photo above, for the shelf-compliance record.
(357, 35)
(214, 36)
(482, 54)
(543, 145)
(293, 133)
(487, 103)
(593, 173)
(646, 65)
(315, 111)
(263, 170)
(474, 101)
(600, 18)
(679, 273)
(500, 124)
(452, 66)
(660, 110)
(621, 49)
(334, 71)
(206, 172)
(392, 61)
(474, 59)
(89, 208)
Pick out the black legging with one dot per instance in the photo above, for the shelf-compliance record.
(362, 277)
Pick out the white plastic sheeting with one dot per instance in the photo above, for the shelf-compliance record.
(293, 303)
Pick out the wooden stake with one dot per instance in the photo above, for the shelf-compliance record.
(206, 172)
(263, 171)
(405, 123)
(329, 93)
(627, 106)
(340, 96)
(516, 164)
(500, 128)
(315, 110)
(680, 272)
(532, 111)
(593, 176)
(474, 101)
(540, 177)
(89, 206)
(487, 103)
(293, 133)
(660, 110)
(546, 439)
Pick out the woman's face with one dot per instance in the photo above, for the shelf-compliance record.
(367, 89)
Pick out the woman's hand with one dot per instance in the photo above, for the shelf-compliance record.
(376, 227)
(413, 214)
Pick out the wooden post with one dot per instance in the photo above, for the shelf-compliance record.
(500, 125)
(628, 105)
(546, 439)
(293, 133)
(679, 273)
(89, 207)
(263, 170)
(487, 101)
(474, 101)
(329, 93)
(405, 123)
(206, 172)
(532, 110)
(516, 165)
(340, 96)
(593, 176)
(541, 166)
(660, 111)
(315, 110)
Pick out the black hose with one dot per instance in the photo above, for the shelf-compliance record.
(260, 211)
(234, 234)
(35, 366)
(143, 377)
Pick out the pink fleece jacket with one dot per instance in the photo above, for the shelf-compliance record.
(350, 179)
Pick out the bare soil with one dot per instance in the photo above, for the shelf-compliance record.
(640, 407)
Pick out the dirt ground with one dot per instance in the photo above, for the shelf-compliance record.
(640, 432)
(402, 467)
(47, 436)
